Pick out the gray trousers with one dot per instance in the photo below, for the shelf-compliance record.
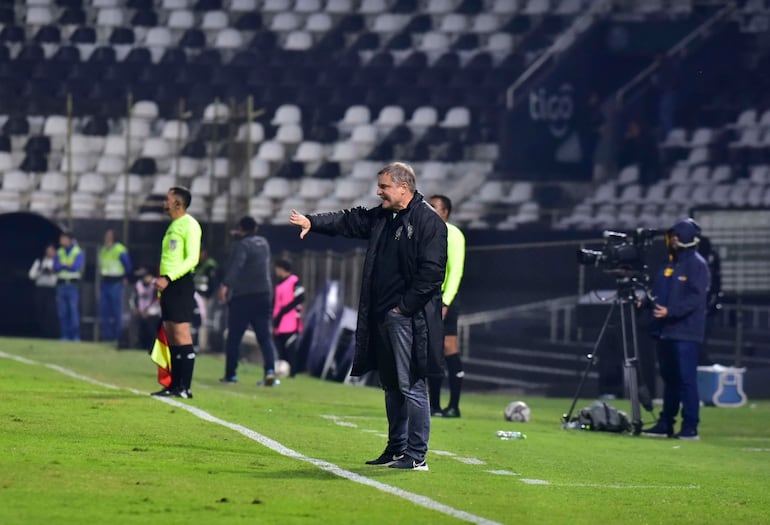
(406, 400)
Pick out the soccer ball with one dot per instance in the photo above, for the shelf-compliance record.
(517, 411)
(282, 368)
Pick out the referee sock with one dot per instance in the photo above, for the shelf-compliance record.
(456, 374)
(434, 392)
(187, 361)
(176, 367)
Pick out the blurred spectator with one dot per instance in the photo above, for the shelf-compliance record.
(68, 265)
(714, 296)
(206, 282)
(146, 308)
(43, 274)
(287, 312)
(638, 146)
(114, 268)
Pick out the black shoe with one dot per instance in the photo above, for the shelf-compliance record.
(450, 412)
(437, 413)
(387, 458)
(660, 430)
(231, 379)
(166, 392)
(409, 463)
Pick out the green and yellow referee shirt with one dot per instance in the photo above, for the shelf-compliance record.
(455, 263)
(181, 247)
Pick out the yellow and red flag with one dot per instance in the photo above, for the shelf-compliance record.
(161, 356)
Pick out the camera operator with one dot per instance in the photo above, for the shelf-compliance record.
(679, 323)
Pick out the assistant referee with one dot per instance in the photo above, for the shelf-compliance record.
(179, 257)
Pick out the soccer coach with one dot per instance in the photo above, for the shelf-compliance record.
(179, 255)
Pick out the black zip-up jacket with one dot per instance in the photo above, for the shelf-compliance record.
(248, 269)
(422, 251)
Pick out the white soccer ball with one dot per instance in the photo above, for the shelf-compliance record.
(282, 368)
(518, 412)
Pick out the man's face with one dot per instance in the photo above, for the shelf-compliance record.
(170, 203)
(439, 207)
(395, 195)
(109, 237)
(65, 241)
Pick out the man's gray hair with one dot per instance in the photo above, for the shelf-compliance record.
(401, 172)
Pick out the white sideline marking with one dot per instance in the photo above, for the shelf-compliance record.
(535, 481)
(756, 449)
(442, 453)
(502, 472)
(616, 486)
(275, 446)
(469, 461)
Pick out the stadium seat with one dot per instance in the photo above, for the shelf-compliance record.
(244, 6)
(228, 38)
(271, 151)
(277, 188)
(92, 183)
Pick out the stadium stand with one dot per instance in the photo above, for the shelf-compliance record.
(338, 86)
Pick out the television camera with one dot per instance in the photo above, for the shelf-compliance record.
(623, 255)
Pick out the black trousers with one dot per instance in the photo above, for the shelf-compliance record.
(245, 310)
(46, 316)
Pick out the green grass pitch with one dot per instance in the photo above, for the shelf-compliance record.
(81, 442)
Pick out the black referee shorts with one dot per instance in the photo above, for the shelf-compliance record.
(450, 321)
(177, 301)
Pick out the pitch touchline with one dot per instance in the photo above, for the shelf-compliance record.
(275, 446)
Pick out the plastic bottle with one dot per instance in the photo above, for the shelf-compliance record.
(507, 434)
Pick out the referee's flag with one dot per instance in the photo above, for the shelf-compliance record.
(161, 356)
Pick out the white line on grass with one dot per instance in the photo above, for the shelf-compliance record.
(275, 446)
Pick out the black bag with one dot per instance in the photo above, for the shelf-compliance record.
(604, 417)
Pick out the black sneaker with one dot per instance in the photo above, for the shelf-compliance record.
(451, 412)
(387, 458)
(437, 413)
(660, 430)
(166, 392)
(409, 463)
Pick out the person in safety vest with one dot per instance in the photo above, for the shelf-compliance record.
(114, 268)
(68, 265)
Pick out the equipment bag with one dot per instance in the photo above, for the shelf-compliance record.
(604, 417)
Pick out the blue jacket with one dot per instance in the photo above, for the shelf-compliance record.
(681, 285)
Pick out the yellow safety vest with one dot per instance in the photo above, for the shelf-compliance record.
(68, 259)
(109, 260)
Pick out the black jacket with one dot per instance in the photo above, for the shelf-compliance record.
(248, 269)
(422, 251)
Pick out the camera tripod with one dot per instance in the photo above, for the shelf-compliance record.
(625, 302)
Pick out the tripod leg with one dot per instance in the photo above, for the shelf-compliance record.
(629, 362)
(591, 359)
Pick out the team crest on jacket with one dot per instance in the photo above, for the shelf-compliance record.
(172, 244)
(409, 231)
